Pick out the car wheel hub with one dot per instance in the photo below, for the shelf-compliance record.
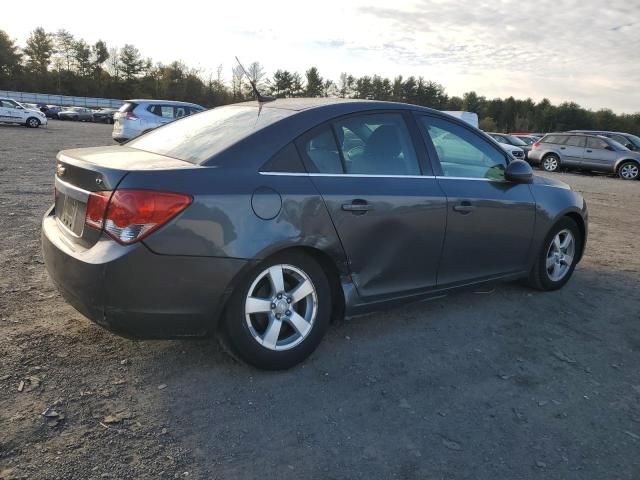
(281, 307)
(560, 255)
(629, 171)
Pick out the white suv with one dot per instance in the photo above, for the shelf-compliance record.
(136, 117)
(14, 112)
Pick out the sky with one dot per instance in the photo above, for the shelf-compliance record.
(587, 52)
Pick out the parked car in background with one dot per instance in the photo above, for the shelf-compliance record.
(14, 112)
(632, 142)
(136, 117)
(76, 113)
(261, 223)
(52, 111)
(528, 139)
(585, 152)
(516, 152)
(104, 115)
(512, 140)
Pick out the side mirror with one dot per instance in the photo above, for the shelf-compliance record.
(519, 171)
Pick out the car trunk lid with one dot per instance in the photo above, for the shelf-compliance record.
(80, 172)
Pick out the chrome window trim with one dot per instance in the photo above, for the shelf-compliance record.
(358, 175)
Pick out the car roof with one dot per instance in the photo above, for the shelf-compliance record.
(156, 100)
(300, 104)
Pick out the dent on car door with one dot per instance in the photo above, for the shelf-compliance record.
(490, 221)
(389, 217)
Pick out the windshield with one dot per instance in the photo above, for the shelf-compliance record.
(197, 138)
(527, 140)
(635, 140)
(618, 146)
(516, 141)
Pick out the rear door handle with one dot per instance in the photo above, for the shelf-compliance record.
(563, 148)
(589, 151)
(464, 208)
(357, 207)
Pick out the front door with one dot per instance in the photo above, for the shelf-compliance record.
(389, 217)
(490, 221)
(10, 111)
(599, 155)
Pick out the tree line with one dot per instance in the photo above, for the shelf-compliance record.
(59, 63)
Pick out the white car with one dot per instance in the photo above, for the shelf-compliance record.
(14, 112)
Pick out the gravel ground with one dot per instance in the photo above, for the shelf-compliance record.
(507, 383)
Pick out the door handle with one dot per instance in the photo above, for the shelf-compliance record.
(563, 148)
(589, 151)
(464, 208)
(357, 207)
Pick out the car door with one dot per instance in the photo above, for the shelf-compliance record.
(389, 216)
(599, 155)
(10, 111)
(490, 220)
(573, 150)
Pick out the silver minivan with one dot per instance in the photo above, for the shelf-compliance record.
(585, 152)
(136, 117)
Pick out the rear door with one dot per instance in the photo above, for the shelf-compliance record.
(573, 150)
(490, 221)
(389, 216)
(599, 155)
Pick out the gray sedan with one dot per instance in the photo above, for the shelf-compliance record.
(263, 222)
(76, 113)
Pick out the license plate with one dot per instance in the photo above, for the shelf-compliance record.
(70, 213)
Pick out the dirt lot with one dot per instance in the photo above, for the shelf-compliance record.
(508, 383)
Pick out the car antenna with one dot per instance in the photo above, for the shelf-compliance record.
(261, 98)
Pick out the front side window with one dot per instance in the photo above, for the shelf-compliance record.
(181, 112)
(575, 141)
(596, 143)
(376, 144)
(462, 153)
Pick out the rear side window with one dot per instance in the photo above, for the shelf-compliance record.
(376, 144)
(197, 138)
(556, 139)
(164, 111)
(575, 141)
(286, 160)
(321, 149)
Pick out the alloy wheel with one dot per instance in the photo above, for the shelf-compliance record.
(33, 123)
(560, 255)
(629, 171)
(281, 307)
(550, 164)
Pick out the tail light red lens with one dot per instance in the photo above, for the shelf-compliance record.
(535, 145)
(96, 208)
(129, 116)
(130, 215)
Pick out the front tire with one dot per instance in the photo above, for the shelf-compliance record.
(279, 313)
(629, 171)
(550, 163)
(558, 256)
(33, 122)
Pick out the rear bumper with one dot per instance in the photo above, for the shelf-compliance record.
(135, 292)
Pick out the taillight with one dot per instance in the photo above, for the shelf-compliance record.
(96, 208)
(128, 116)
(535, 145)
(130, 215)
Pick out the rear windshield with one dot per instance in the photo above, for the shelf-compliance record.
(128, 107)
(197, 138)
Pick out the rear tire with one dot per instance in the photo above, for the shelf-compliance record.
(279, 313)
(629, 170)
(32, 122)
(550, 163)
(556, 262)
